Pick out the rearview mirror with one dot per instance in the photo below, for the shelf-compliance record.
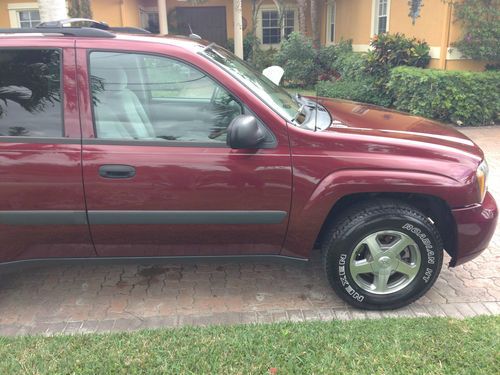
(244, 132)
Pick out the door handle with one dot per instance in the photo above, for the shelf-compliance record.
(116, 171)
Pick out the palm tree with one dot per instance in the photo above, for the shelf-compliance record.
(31, 79)
(302, 5)
(315, 23)
(52, 10)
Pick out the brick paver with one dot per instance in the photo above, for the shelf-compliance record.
(84, 298)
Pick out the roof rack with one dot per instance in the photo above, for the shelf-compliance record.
(84, 28)
(67, 31)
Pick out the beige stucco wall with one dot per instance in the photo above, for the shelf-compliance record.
(4, 11)
(353, 21)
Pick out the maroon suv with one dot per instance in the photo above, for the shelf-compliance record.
(115, 145)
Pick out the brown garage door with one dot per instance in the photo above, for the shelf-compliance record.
(207, 22)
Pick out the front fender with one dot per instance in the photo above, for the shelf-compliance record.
(310, 209)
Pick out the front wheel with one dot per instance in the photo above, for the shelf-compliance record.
(382, 255)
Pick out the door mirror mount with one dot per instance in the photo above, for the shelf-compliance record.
(244, 132)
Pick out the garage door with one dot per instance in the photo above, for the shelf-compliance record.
(207, 22)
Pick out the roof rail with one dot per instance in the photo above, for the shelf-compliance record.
(86, 22)
(130, 30)
(84, 28)
(67, 31)
(83, 22)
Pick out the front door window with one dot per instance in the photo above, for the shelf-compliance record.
(145, 97)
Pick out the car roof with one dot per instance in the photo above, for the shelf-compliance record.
(172, 40)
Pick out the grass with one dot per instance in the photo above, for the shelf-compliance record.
(388, 346)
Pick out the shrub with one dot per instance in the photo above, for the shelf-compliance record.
(327, 57)
(468, 98)
(262, 59)
(248, 42)
(353, 82)
(297, 57)
(391, 50)
(480, 19)
(361, 90)
(350, 65)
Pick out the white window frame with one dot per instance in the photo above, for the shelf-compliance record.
(259, 23)
(376, 15)
(15, 8)
(331, 9)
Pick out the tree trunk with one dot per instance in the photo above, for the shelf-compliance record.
(80, 9)
(315, 23)
(302, 5)
(52, 10)
(253, 31)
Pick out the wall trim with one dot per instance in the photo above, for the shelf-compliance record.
(454, 54)
(361, 47)
(435, 52)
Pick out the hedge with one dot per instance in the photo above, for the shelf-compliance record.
(465, 98)
(361, 89)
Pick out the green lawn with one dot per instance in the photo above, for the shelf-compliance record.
(388, 346)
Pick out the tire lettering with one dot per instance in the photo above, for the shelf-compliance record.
(345, 283)
(428, 274)
(425, 241)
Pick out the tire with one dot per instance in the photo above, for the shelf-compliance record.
(382, 255)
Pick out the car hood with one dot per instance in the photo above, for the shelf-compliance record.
(368, 119)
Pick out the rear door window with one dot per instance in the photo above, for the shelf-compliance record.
(30, 93)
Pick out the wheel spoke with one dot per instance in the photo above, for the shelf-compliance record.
(361, 266)
(381, 279)
(399, 246)
(407, 269)
(385, 262)
(373, 246)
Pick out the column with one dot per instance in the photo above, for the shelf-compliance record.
(238, 28)
(53, 10)
(162, 13)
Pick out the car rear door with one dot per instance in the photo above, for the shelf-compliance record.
(159, 178)
(42, 206)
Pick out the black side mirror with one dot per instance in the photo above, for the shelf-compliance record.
(245, 132)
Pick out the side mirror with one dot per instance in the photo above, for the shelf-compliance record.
(245, 132)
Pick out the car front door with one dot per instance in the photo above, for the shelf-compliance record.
(159, 178)
(42, 207)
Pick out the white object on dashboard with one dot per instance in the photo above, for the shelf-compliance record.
(274, 74)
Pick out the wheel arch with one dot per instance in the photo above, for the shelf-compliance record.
(433, 207)
(312, 210)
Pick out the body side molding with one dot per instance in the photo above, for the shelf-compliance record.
(118, 217)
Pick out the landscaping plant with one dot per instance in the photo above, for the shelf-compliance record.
(465, 98)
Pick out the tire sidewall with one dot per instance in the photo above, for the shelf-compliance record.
(429, 247)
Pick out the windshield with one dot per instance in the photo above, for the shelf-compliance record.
(274, 96)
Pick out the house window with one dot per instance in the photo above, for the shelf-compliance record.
(330, 23)
(28, 18)
(381, 16)
(24, 15)
(271, 28)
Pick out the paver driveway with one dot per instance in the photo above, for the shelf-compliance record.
(83, 298)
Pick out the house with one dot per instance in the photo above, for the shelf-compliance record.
(220, 20)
